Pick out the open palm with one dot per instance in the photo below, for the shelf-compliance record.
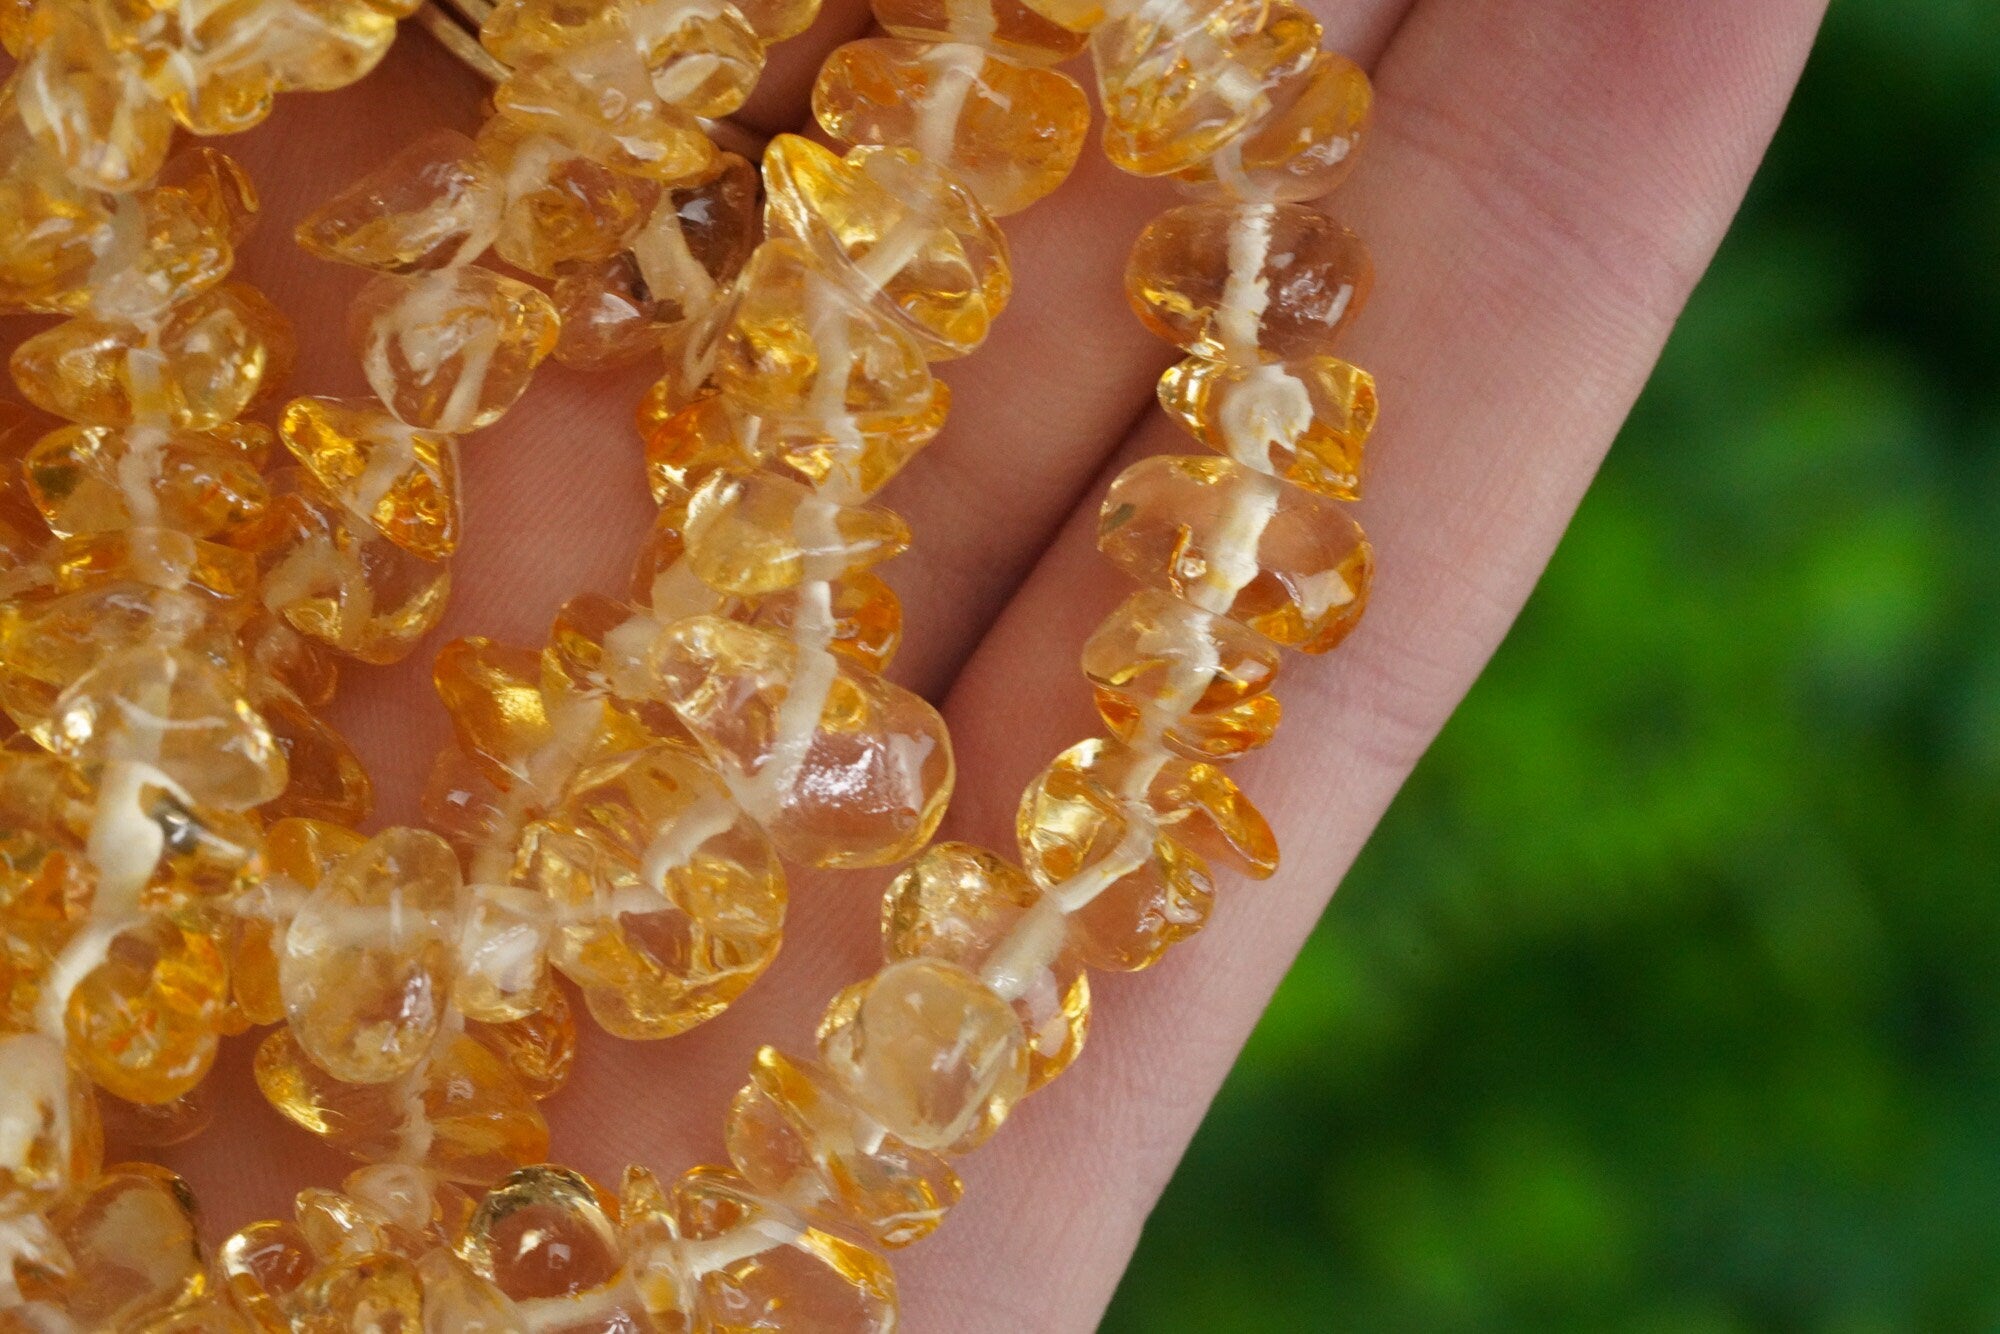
(1546, 181)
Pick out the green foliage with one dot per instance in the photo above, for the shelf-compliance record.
(1664, 999)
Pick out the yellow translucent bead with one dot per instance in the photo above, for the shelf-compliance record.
(892, 224)
(703, 60)
(1304, 146)
(451, 350)
(809, 1278)
(539, 1047)
(218, 186)
(503, 944)
(326, 779)
(1079, 16)
(55, 228)
(762, 534)
(367, 962)
(669, 899)
(86, 105)
(927, 1050)
(281, 655)
(201, 367)
(378, 1293)
(842, 767)
(1009, 132)
(1007, 27)
(92, 479)
(337, 1226)
(799, 344)
(1200, 683)
(590, 656)
(562, 206)
(775, 20)
(962, 904)
(435, 203)
(548, 1232)
(298, 855)
(1305, 421)
(145, 1022)
(56, 1143)
(866, 615)
(1248, 282)
(600, 100)
(174, 712)
(793, 1134)
(1289, 564)
(458, 1301)
(417, 1210)
(259, 1267)
(472, 1121)
(160, 558)
(494, 696)
(166, 247)
(133, 1247)
(1180, 80)
(328, 44)
(403, 479)
(334, 578)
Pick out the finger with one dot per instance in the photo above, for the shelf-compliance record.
(1547, 181)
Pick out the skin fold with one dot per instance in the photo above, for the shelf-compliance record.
(1546, 181)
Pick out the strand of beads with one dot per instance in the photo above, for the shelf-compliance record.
(163, 714)
(985, 995)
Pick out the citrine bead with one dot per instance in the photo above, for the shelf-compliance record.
(1180, 79)
(1304, 146)
(795, 1135)
(600, 100)
(1305, 421)
(775, 20)
(668, 899)
(451, 350)
(55, 1144)
(367, 962)
(544, 1232)
(435, 203)
(503, 944)
(86, 105)
(133, 1247)
(259, 1267)
(842, 767)
(539, 1047)
(201, 367)
(56, 229)
(968, 906)
(402, 479)
(175, 713)
(468, 1118)
(1009, 132)
(325, 778)
(811, 1278)
(166, 247)
(1200, 683)
(760, 534)
(798, 343)
(928, 1051)
(704, 60)
(144, 1023)
(161, 558)
(91, 479)
(378, 1293)
(218, 186)
(458, 1301)
(562, 207)
(1248, 282)
(334, 578)
(1289, 564)
(867, 618)
(889, 222)
(1005, 27)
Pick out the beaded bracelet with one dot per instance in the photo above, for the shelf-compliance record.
(1115, 834)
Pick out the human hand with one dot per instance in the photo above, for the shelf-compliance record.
(1545, 182)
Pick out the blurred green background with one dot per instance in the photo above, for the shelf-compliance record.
(1665, 999)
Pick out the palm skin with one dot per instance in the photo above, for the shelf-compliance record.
(1545, 182)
